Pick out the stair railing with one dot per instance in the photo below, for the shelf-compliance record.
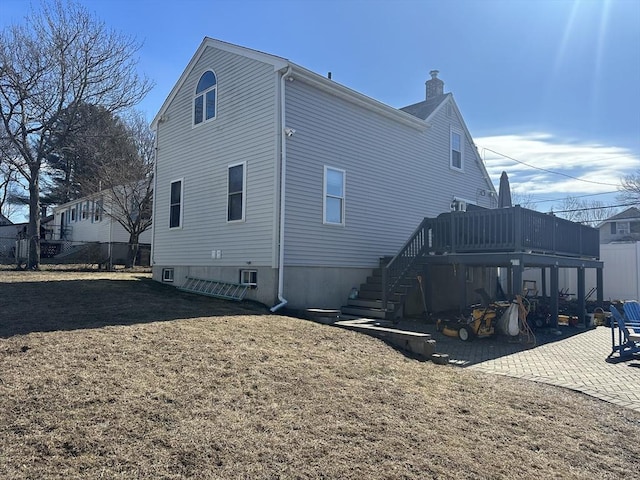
(403, 262)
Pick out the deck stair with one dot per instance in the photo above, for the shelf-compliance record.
(215, 288)
(368, 303)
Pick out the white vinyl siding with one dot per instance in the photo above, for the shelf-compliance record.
(244, 131)
(403, 175)
(106, 229)
(334, 196)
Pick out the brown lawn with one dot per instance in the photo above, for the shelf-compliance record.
(110, 375)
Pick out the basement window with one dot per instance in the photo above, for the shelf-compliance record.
(167, 274)
(249, 278)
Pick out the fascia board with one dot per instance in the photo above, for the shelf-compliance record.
(333, 88)
(479, 161)
(277, 62)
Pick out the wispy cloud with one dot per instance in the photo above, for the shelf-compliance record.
(541, 165)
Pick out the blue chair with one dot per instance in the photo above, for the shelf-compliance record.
(632, 312)
(628, 340)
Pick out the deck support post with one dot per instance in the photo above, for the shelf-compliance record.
(555, 283)
(599, 286)
(582, 301)
(517, 268)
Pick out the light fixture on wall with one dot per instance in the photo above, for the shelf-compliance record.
(289, 132)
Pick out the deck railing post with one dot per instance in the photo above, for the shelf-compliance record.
(517, 228)
(452, 226)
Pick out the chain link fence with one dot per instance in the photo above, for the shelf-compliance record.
(14, 251)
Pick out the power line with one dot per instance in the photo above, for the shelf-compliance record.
(549, 171)
(595, 208)
(576, 196)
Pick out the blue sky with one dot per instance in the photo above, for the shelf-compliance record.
(554, 84)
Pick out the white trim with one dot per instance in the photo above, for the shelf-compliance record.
(277, 63)
(301, 73)
(249, 271)
(244, 191)
(180, 226)
(455, 131)
(203, 94)
(456, 111)
(623, 223)
(345, 93)
(168, 274)
(325, 195)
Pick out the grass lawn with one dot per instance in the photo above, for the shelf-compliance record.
(111, 375)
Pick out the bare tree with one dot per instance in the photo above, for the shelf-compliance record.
(60, 58)
(8, 174)
(630, 189)
(8, 185)
(586, 212)
(127, 182)
(525, 200)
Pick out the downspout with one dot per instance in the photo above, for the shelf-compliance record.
(155, 190)
(283, 175)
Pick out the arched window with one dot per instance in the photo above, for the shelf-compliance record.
(204, 104)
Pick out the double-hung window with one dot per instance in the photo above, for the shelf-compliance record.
(175, 204)
(236, 181)
(334, 195)
(204, 103)
(622, 228)
(456, 150)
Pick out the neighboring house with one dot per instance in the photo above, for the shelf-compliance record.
(86, 222)
(623, 227)
(620, 252)
(271, 175)
(8, 236)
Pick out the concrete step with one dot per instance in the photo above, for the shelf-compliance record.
(418, 343)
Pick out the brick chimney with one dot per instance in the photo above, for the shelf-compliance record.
(435, 86)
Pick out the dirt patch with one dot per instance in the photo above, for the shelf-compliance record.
(111, 375)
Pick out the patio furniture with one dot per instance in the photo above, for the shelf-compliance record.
(628, 341)
(632, 312)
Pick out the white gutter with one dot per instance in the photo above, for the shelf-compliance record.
(283, 175)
